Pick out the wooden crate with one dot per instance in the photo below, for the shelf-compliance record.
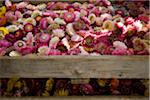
(121, 67)
(77, 67)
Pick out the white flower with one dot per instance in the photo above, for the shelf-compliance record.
(43, 50)
(122, 26)
(94, 54)
(21, 5)
(138, 25)
(106, 16)
(92, 18)
(69, 29)
(30, 20)
(59, 32)
(41, 6)
(59, 21)
(119, 44)
(66, 43)
(12, 28)
(53, 42)
(14, 54)
(76, 38)
(36, 13)
(78, 15)
(83, 52)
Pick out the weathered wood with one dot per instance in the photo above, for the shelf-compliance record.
(81, 98)
(75, 67)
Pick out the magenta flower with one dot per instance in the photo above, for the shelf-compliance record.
(43, 23)
(27, 50)
(44, 38)
(5, 43)
(69, 17)
(119, 51)
(19, 44)
(54, 52)
(75, 51)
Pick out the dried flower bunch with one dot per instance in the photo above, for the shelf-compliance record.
(95, 27)
(19, 87)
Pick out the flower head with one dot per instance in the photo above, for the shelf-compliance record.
(19, 44)
(3, 32)
(2, 10)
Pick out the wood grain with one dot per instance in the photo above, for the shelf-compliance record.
(75, 67)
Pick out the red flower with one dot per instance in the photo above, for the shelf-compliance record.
(143, 18)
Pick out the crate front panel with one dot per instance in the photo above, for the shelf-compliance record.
(76, 67)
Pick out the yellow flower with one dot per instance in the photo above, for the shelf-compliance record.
(2, 10)
(101, 83)
(3, 32)
(46, 94)
(49, 84)
(11, 83)
(61, 92)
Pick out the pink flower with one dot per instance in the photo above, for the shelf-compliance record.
(103, 39)
(51, 14)
(43, 23)
(2, 51)
(45, 38)
(22, 5)
(19, 44)
(8, 3)
(29, 39)
(10, 16)
(54, 52)
(5, 43)
(84, 12)
(76, 38)
(69, 17)
(27, 50)
(75, 51)
(106, 2)
(119, 51)
(86, 20)
(18, 14)
(59, 32)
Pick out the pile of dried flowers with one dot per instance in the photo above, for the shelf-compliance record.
(18, 87)
(96, 27)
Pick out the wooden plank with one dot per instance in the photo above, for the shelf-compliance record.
(75, 67)
(81, 98)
